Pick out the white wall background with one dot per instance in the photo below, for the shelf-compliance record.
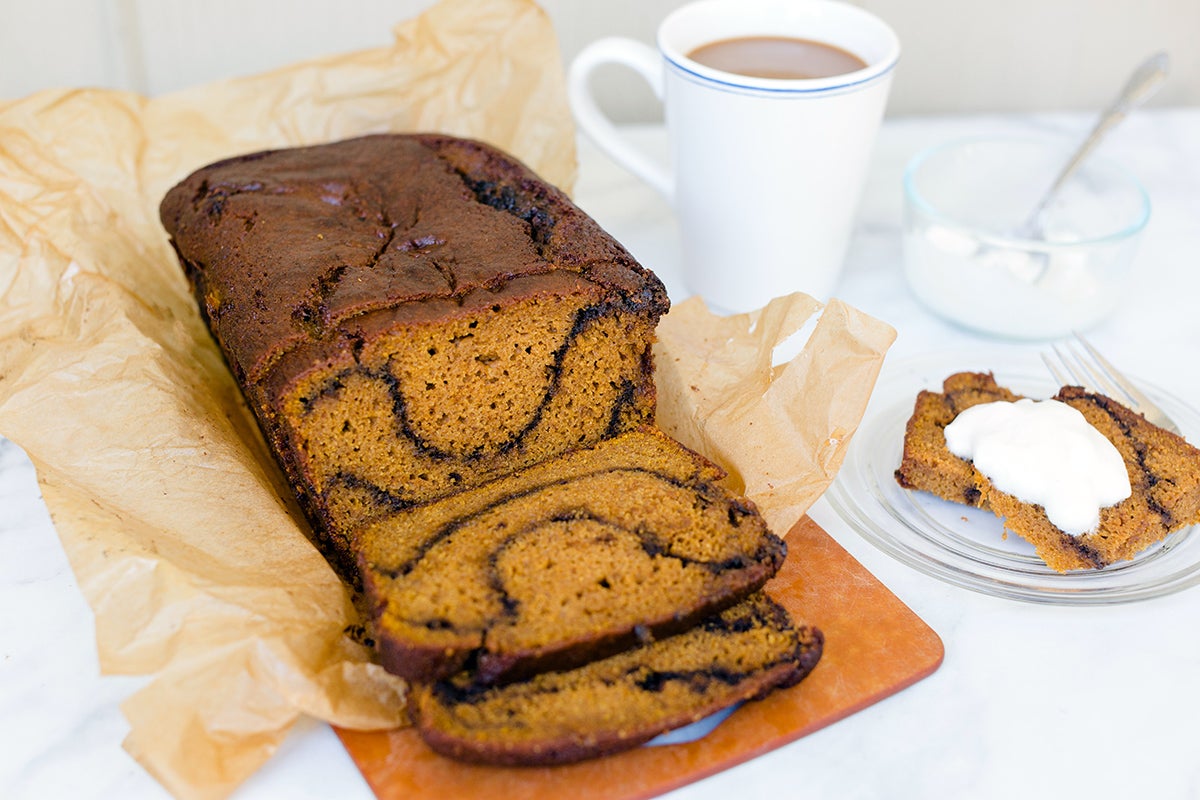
(959, 55)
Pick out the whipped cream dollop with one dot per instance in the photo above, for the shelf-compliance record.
(1043, 452)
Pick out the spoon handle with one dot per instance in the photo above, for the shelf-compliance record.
(1142, 84)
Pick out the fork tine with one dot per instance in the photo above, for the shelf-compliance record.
(1114, 376)
(1087, 368)
(1072, 371)
(1059, 376)
(1091, 376)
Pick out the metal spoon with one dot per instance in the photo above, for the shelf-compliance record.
(1142, 84)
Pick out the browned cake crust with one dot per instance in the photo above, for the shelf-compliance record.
(622, 701)
(1164, 474)
(409, 315)
(561, 563)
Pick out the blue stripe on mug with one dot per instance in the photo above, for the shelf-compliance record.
(693, 76)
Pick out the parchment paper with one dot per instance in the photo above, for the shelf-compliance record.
(779, 429)
(169, 508)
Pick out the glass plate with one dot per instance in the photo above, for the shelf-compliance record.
(966, 546)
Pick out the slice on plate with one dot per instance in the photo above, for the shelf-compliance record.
(1164, 474)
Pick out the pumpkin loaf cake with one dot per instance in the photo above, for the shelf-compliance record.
(1164, 474)
(563, 562)
(452, 364)
(412, 315)
(621, 701)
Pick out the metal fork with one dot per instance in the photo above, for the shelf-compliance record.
(1083, 365)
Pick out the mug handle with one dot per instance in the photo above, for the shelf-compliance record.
(645, 61)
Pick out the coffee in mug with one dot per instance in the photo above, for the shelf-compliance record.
(778, 57)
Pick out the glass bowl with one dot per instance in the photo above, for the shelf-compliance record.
(965, 204)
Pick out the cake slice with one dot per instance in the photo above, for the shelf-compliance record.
(561, 563)
(1164, 474)
(412, 315)
(622, 701)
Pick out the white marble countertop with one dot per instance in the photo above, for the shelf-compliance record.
(1031, 701)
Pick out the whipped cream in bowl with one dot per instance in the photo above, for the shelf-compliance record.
(964, 259)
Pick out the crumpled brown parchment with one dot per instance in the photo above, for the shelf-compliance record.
(169, 507)
(779, 429)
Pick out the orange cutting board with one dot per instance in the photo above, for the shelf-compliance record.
(874, 646)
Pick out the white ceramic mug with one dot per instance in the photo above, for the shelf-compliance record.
(766, 173)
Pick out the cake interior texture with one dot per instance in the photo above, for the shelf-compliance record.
(621, 701)
(427, 411)
(412, 315)
(1164, 475)
(563, 562)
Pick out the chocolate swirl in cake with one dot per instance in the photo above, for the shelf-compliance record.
(411, 315)
(564, 562)
(622, 701)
